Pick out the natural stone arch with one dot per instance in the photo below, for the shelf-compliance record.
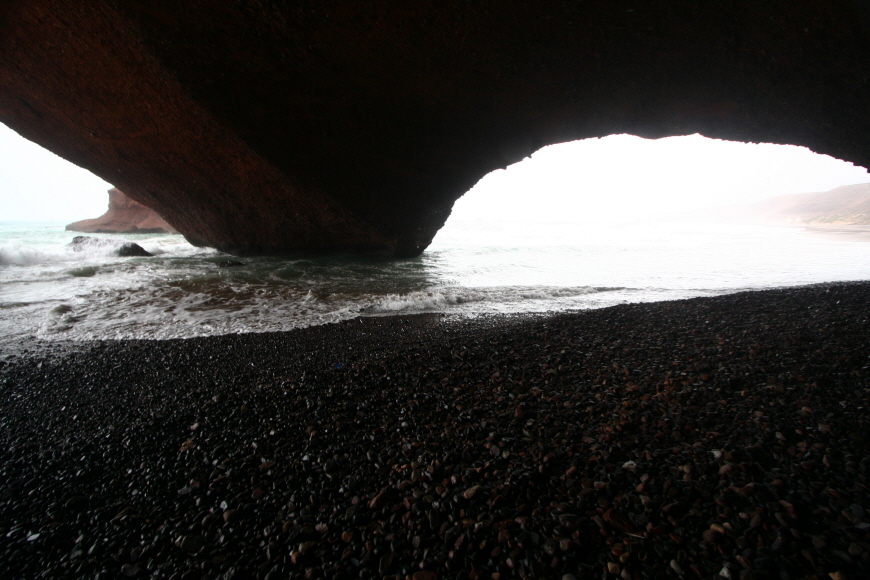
(353, 127)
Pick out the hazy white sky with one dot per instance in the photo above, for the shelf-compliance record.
(621, 174)
(37, 185)
(627, 177)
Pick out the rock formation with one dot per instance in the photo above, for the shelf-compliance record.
(341, 126)
(116, 247)
(124, 216)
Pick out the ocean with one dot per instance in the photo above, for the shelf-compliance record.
(50, 291)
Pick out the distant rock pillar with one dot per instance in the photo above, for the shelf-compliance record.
(124, 216)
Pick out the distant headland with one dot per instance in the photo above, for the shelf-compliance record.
(845, 205)
(124, 216)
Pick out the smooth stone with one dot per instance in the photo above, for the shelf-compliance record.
(192, 543)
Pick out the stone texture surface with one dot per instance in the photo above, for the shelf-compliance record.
(342, 126)
(693, 439)
(124, 216)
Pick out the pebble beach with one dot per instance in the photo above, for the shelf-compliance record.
(708, 438)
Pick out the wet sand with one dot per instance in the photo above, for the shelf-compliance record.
(715, 436)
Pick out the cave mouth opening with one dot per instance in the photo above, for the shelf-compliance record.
(629, 179)
(576, 226)
(621, 218)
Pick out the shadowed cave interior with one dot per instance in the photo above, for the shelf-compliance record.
(341, 128)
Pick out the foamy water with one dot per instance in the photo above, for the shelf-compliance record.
(51, 291)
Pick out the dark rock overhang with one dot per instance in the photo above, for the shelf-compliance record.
(346, 126)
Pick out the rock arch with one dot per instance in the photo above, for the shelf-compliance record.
(340, 126)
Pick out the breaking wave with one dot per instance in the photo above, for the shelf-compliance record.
(497, 299)
(51, 291)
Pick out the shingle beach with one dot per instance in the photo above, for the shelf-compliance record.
(713, 437)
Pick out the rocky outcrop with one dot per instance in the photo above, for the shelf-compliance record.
(343, 126)
(124, 216)
(115, 247)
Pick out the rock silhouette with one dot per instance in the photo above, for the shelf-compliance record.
(118, 247)
(269, 128)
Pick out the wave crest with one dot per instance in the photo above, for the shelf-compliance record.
(443, 300)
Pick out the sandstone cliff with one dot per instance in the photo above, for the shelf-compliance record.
(124, 216)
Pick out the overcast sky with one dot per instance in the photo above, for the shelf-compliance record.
(37, 185)
(627, 177)
(617, 175)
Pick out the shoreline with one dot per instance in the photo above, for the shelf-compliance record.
(838, 232)
(687, 438)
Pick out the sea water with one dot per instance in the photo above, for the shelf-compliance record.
(49, 290)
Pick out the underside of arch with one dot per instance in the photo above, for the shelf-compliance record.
(342, 126)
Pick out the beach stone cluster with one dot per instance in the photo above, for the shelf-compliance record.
(710, 438)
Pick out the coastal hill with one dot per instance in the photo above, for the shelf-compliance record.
(846, 205)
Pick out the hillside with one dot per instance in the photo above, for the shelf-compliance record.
(849, 204)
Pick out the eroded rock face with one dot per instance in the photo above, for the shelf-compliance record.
(353, 127)
(124, 216)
